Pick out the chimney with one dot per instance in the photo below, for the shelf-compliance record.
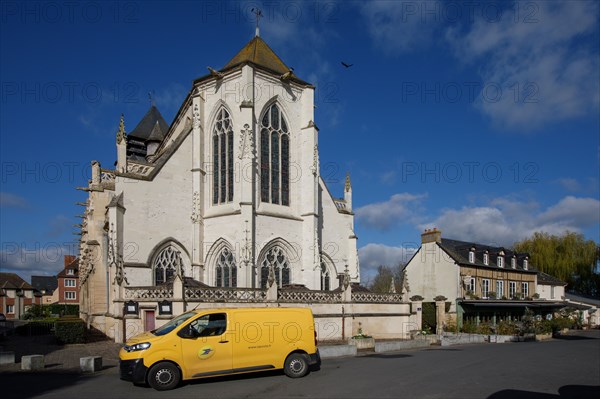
(69, 259)
(431, 235)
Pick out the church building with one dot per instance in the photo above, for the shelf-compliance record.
(227, 195)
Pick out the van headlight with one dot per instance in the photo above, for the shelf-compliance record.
(137, 347)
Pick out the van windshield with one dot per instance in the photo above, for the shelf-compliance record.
(170, 326)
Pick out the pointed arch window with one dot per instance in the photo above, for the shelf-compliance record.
(165, 265)
(276, 258)
(274, 157)
(222, 158)
(226, 270)
(325, 278)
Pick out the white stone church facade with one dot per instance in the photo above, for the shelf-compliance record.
(227, 200)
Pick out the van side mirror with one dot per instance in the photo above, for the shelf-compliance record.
(187, 332)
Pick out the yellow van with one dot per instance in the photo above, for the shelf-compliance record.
(206, 343)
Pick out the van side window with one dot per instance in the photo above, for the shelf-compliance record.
(210, 325)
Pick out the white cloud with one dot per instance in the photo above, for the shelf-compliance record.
(44, 260)
(371, 256)
(546, 67)
(400, 208)
(589, 185)
(9, 200)
(504, 221)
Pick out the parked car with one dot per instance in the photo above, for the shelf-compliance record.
(2, 317)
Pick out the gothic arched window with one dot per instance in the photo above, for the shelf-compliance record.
(222, 158)
(225, 270)
(165, 265)
(274, 158)
(325, 280)
(275, 257)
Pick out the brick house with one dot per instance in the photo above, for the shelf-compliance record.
(68, 281)
(16, 295)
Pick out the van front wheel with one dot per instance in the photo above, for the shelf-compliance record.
(296, 365)
(164, 376)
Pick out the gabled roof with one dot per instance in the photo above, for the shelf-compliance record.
(257, 52)
(73, 265)
(151, 124)
(13, 281)
(44, 283)
(545, 278)
(459, 252)
(259, 55)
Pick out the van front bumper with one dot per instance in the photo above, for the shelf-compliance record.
(133, 370)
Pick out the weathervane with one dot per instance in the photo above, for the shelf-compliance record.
(258, 13)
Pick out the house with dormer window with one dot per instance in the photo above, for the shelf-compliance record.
(481, 283)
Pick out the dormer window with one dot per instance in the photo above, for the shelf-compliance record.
(500, 261)
(513, 262)
(70, 272)
(471, 257)
(525, 264)
(486, 258)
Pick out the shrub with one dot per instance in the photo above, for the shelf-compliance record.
(469, 327)
(484, 329)
(543, 327)
(70, 331)
(506, 327)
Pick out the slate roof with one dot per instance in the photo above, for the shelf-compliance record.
(13, 281)
(73, 265)
(147, 126)
(459, 252)
(544, 278)
(45, 284)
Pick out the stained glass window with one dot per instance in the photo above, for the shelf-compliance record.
(223, 180)
(276, 258)
(275, 157)
(225, 269)
(165, 264)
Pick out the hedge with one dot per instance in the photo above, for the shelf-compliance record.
(70, 331)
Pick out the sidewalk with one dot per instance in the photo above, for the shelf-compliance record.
(57, 357)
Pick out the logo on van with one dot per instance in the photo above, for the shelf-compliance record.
(206, 352)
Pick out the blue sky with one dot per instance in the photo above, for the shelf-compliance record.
(479, 118)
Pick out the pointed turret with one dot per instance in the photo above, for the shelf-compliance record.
(348, 192)
(150, 132)
(122, 146)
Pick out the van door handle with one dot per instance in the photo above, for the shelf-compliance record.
(223, 342)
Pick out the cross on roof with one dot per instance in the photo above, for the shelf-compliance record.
(258, 13)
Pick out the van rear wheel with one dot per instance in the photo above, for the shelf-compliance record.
(164, 376)
(296, 365)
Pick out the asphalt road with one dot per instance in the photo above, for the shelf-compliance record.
(561, 368)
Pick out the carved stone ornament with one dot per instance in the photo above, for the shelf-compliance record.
(317, 253)
(115, 258)
(246, 148)
(121, 135)
(315, 165)
(196, 117)
(196, 214)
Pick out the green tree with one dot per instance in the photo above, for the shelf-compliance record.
(569, 257)
(382, 282)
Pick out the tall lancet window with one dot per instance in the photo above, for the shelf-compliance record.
(275, 257)
(325, 283)
(225, 270)
(222, 158)
(165, 265)
(274, 158)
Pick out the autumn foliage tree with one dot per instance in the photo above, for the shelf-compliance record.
(569, 257)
